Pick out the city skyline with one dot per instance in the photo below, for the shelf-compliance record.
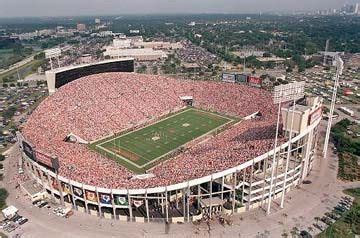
(112, 7)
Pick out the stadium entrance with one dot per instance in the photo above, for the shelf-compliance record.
(188, 100)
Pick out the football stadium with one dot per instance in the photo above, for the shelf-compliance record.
(145, 148)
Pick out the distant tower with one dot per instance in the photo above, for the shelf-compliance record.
(326, 50)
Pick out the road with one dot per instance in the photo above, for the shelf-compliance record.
(18, 64)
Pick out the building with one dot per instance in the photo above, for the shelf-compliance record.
(105, 33)
(97, 21)
(121, 43)
(329, 58)
(161, 45)
(33, 190)
(304, 115)
(141, 54)
(9, 212)
(81, 27)
(86, 59)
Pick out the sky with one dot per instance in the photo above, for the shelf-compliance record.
(22, 8)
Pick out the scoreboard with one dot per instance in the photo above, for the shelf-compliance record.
(242, 79)
(254, 81)
(228, 77)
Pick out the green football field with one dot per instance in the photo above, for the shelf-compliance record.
(139, 149)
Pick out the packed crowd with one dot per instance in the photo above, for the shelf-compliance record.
(97, 106)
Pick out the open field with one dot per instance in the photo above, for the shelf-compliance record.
(139, 149)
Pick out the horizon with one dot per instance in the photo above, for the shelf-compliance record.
(67, 8)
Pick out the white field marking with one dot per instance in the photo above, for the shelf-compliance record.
(161, 156)
(171, 151)
(123, 158)
(176, 114)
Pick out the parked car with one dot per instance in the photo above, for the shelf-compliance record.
(23, 221)
(43, 204)
(305, 234)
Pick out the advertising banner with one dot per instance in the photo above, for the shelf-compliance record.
(314, 116)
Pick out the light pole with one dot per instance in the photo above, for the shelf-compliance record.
(282, 94)
(339, 69)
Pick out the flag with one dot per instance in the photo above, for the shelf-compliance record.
(55, 184)
(66, 188)
(78, 192)
(90, 196)
(105, 198)
(138, 203)
(120, 200)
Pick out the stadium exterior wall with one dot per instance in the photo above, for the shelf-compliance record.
(243, 187)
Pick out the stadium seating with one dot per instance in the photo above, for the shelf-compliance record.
(96, 106)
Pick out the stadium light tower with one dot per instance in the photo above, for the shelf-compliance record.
(53, 53)
(339, 69)
(288, 153)
(283, 93)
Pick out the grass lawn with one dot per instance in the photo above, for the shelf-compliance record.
(139, 149)
(349, 224)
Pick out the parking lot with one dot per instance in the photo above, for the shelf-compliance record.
(10, 225)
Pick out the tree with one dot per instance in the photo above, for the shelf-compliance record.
(40, 56)
(267, 54)
(3, 195)
(155, 69)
